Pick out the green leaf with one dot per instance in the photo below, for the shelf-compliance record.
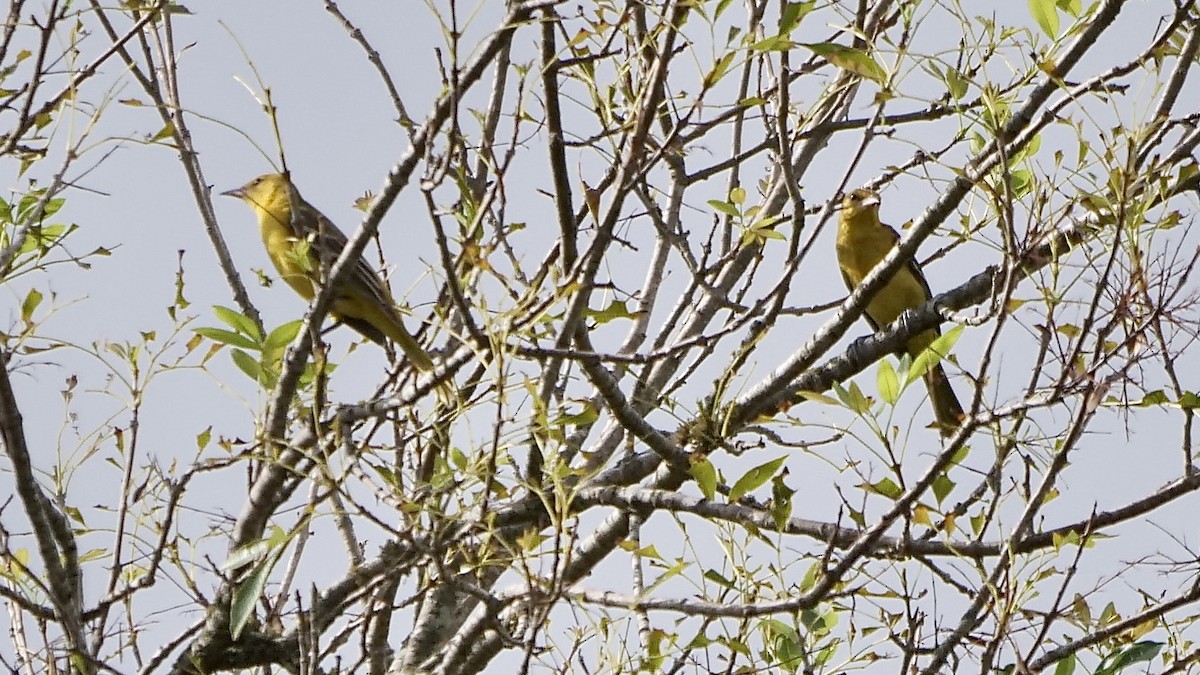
(238, 321)
(1030, 150)
(815, 572)
(853, 398)
(780, 505)
(282, 336)
(888, 383)
(246, 554)
(706, 477)
(227, 337)
(850, 59)
(1156, 397)
(1045, 13)
(775, 43)
(792, 14)
(721, 7)
(1186, 172)
(956, 83)
(719, 70)
(251, 367)
(1189, 400)
(725, 207)
(715, 577)
(760, 233)
(934, 353)
(1021, 181)
(754, 478)
(886, 487)
(167, 131)
(1066, 666)
(942, 486)
(246, 595)
(977, 523)
(1139, 652)
(588, 414)
(817, 396)
(655, 649)
(1072, 7)
(617, 309)
(28, 306)
(94, 554)
(45, 236)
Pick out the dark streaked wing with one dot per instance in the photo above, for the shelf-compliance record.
(328, 244)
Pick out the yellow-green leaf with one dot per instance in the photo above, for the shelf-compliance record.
(238, 321)
(754, 478)
(1072, 7)
(725, 207)
(253, 369)
(1045, 13)
(816, 396)
(956, 83)
(935, 352)
(28, 306)
(705, 475)
(888, 383)
(617, 309)
(226, 337)
(282, 336)
(850, 59)
(792, 13)
(886, 487)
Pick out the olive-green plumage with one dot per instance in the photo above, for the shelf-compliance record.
(302, 242)
(862, 242)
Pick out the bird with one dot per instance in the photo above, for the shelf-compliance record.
(302, 243)
(862, 242)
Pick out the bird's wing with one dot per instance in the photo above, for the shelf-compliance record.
(328, 242)
(911, 263)
(912, 266)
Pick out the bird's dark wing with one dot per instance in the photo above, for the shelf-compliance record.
(327, 243)
(912, 264)
(365, 329)
(913, 268)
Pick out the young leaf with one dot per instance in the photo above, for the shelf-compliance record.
(238, 321)
(850, 59)
(1045, 13)
(888, 383)
(754, 478)
(935, 352)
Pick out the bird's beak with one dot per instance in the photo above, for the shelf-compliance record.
(870, 201)
(240, 193)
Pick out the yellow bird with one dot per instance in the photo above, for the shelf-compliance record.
(862, 242)
(302, 243)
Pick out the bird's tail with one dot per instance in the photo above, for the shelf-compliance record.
(946, 408)
(413, 350)
(396, 333)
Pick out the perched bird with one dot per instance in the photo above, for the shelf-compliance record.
(303, 243)
(862, 242)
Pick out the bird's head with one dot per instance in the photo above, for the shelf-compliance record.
(267, 193)
(859, 201)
